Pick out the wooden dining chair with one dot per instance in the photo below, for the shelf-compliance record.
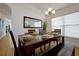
(17, 50)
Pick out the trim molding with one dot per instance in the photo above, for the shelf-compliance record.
(2, 36)
(71, 37)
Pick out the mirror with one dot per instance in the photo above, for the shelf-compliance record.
(30, 22)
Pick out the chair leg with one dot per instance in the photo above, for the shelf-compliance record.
(33, 52)
(73, 52)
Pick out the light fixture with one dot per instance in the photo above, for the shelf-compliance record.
(53, 12)
(46, 12)
(49, 9)
(50, 12)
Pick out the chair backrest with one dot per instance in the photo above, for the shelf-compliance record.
(17, 50)
(13, 40)
(31, 31)
(58, 31)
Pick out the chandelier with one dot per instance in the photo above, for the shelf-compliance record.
(50, 12)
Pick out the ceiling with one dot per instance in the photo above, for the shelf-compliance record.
(44, 6)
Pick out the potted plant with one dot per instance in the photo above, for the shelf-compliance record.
(44, 26)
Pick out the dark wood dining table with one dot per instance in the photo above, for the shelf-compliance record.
(35, 42)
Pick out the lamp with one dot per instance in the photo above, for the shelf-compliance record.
(50, 12)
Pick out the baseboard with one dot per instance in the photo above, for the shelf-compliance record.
(2, 36)
(71, 37)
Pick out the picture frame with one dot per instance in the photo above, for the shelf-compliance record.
(28, 24)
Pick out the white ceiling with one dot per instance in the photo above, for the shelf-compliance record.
(44, 6)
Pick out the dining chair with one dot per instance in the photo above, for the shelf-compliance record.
(17, 51)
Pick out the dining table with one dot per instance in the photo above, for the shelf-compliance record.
(30, 42)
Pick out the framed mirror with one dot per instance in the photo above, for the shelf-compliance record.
(30, 22)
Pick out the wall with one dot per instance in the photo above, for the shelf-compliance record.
(18, 11)
(72, 8)
(71, 24)
(5, 14)
(6, 22)
(57, 23)
(5, 11)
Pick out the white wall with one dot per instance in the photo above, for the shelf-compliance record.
(3, 28)
(5, 14)
(18, 11)
(57, 23)
(5, 11)
(71, 24)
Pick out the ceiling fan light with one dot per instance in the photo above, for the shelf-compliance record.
(49, 9)
(46, 12)
(53, 12)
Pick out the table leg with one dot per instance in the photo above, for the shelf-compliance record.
(49, 44)
(57, 42)
(28, 52)
(41, 48)
(33, 52)
(44, 46)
